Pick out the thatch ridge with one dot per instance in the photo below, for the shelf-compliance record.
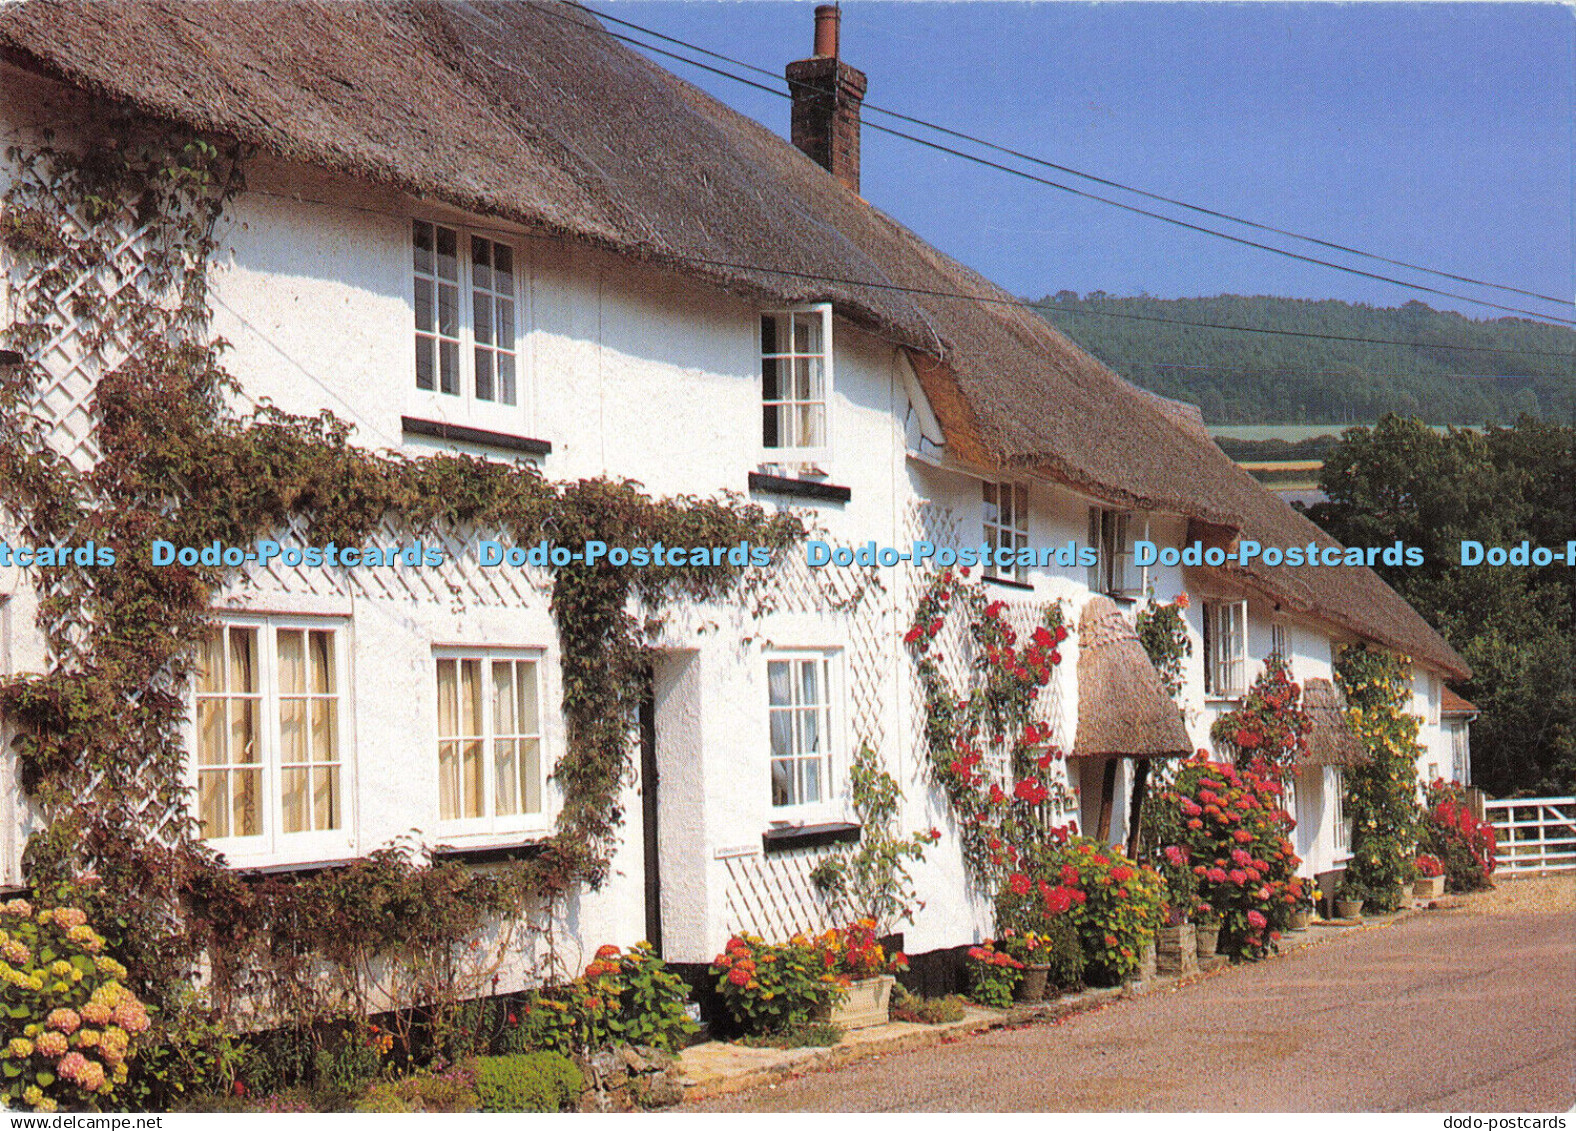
(532, 113)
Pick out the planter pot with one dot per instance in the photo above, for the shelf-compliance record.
(1348, 908)
(1208, 938)
(1429, 887)
(867, 1003)
(1300, 920)
(1176, 949)
(1403, 896)
(1031, 987)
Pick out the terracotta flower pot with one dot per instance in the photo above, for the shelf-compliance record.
(1348, 908)
(1031, 987)
(1207, 938)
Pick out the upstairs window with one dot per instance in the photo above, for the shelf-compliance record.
(800, 713)
(796, 376)
(1225, 648)
(1006, 526)
(1280, 640)
(466, 296)
(1114, 572)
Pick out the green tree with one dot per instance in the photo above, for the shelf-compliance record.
(1513, 624)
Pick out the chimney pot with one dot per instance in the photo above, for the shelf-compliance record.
(827, 19)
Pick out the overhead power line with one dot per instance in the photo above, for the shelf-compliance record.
(951, 151)
(934, 292)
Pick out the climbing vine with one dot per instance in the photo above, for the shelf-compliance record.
(102, 744)
(1381, 794)
(991, 715)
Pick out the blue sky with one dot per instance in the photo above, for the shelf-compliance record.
(1441, 134)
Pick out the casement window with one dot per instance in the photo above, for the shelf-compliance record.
(1225, 648)
(466, 294)
(491, 770)
(1343, 828)
(1460, 761)
(271, 769)
(796, 381)
(1280, 640)
(799, 709)
(1006, 521)
(1111, 533)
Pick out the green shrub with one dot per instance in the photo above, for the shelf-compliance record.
(811, 1035)
(624, 997)
(926, 1011)
(452, 1091)
(993, 976)
(536, 1081)
(1062, 951)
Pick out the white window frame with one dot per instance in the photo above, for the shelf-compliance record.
(490, 824)
(797, 453)
(1342, 838)
(466, 404)
(1280, 640)
(1460, 752)
(1111, 534)
(1220, 617)
(830, 802)
(1009, 532)
(272, 845)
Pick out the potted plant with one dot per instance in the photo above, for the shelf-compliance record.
(1300, 895)
(1430, 882)
(1348, 901)
(1030, 949)
(871, 974)
(1206, 930)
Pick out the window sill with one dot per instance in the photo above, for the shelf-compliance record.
(798, 488)
(301, 868)
(438, 430)
(1009, 583)
(790, 837)
(488, 854)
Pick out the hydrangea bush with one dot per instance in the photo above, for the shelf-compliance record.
(71, 1026)
(1228, 828)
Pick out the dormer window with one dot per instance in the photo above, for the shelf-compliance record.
(466, 295)
(796, 379)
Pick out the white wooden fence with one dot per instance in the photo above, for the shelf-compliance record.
(1536, 834)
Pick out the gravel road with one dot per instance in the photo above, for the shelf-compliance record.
(1466, 1010)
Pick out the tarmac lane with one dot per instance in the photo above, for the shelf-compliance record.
(1448, 1011)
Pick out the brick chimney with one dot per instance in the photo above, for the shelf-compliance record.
(827, 93)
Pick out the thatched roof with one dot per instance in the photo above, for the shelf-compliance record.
(532, 113)
(1123, 708)
(1332, 742)
(1454, 706)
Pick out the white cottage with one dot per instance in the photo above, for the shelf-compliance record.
(491, 228)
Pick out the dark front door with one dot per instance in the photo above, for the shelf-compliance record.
(648, 818)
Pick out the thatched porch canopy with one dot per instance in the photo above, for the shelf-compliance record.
(1332, 742)
(1123, 709)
